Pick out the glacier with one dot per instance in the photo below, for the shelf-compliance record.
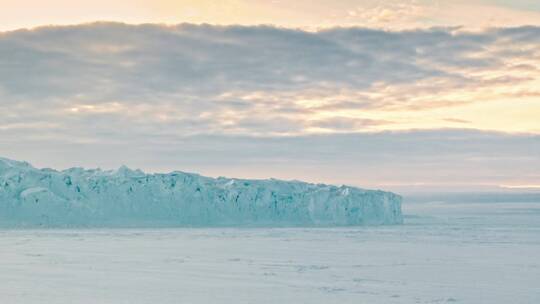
(77, 197)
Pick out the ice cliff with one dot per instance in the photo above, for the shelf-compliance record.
(76, 197)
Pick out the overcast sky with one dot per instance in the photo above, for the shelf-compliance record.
(401, 95)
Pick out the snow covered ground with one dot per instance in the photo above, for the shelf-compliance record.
(444, 253)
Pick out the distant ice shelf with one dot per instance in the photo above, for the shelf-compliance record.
(76, 197)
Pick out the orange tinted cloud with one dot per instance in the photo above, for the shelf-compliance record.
(307, 14)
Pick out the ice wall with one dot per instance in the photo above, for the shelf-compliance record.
(31, 197)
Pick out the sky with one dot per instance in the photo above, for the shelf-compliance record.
(398, 95)
(307, 14)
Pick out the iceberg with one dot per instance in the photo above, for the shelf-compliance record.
(77, 197)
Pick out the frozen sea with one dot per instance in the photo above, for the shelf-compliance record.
(460, 252)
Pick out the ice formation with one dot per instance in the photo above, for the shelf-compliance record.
(95, 198)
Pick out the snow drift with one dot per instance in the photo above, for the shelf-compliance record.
(76, 197)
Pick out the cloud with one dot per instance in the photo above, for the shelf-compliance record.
(457, 120)
(284, 102)
(111, 58)
(346, 123)
(387, 13)
(306, 14)
(224, 78)
(453, 158)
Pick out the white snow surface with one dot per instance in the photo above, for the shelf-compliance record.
(444, 253)
(76, 197)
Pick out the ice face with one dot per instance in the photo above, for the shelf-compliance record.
(77, 197)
